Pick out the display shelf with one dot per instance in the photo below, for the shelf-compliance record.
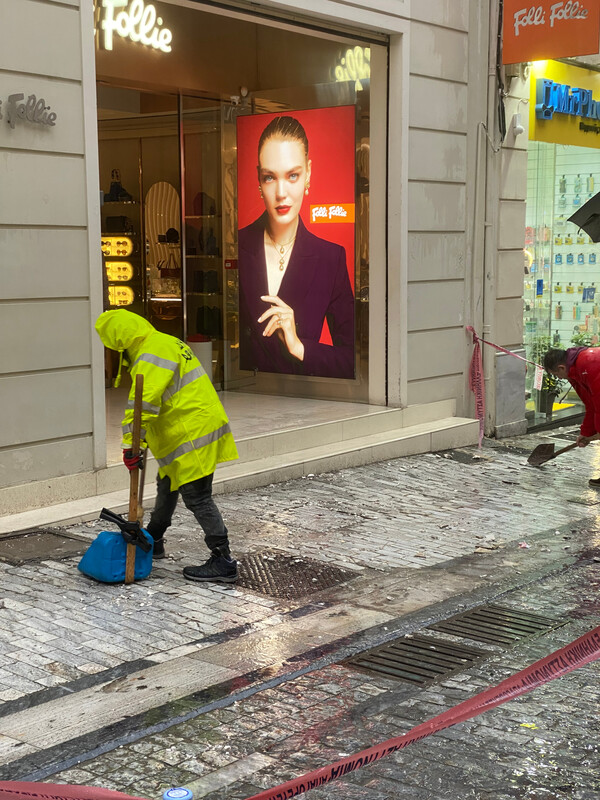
(120, 203)
(203, 216)
(205, 294)
(200, 255)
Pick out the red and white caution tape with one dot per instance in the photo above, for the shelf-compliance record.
(476, 380)
(15, 790)
(582, 651)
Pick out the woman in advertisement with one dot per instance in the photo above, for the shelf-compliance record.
(291, 281)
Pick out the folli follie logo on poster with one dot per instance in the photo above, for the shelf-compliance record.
(332, 212)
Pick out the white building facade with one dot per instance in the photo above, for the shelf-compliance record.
(440, 203)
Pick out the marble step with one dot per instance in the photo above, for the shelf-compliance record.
(437, 434)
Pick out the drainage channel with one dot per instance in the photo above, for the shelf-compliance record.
(424, 660)
(418, 659)
(421, 670)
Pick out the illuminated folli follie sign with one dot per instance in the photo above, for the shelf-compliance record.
(549, 29)
(136, 21)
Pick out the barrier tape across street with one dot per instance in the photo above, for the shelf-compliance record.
(582, 651)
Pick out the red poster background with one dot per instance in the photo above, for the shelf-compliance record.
(536, 42)
(331, 148)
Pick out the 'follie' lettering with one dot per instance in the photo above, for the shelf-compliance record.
(140, 23)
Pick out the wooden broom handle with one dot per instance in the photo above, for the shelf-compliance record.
(134, 474)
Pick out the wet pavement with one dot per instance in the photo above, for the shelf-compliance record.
(543, 745)
(231, 690)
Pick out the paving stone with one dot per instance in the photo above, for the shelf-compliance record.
(403, 514)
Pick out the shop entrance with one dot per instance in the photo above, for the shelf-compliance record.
(177, 194)
(161, 243)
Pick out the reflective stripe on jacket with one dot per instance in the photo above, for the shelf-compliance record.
(183, 421)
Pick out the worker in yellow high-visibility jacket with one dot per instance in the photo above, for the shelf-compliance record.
(185, 427)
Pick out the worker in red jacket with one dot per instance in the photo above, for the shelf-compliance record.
(581, 367)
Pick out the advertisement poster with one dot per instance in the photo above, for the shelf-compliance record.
(296, 190)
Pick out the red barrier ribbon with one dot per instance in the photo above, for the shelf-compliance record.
(476, 383)
(582, 651)
(476, 380)
(16, 790)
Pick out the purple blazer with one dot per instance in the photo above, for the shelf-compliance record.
(316, 285)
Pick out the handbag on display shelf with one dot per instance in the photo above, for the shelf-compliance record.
(171, 269)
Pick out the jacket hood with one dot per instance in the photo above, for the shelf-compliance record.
(572, 354)
(121, 330)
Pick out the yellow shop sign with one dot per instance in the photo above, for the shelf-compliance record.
(564, 104)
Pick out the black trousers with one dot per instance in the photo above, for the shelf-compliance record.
(197, 496)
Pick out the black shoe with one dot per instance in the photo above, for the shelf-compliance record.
(159, 548)
(217, 568)
(594, 483)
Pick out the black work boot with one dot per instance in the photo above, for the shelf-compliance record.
(159, 547)
(219, 567)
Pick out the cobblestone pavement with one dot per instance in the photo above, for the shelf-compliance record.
(60, 632)
(542, 746)
(57, 626)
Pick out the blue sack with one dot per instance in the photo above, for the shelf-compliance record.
(105, 558)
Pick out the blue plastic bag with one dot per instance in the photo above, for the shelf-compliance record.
(105, 558)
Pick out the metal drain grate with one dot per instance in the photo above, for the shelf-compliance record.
(496, 625)
(417, 659)
(288, 577)
(35, 545)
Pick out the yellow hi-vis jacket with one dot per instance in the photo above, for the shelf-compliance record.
(183, 421)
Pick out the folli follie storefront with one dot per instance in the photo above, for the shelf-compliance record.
(194, 237)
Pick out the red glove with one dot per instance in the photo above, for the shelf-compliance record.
(132, 461)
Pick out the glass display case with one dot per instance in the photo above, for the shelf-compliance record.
(561, 305)
(203, 249)
(121, 248)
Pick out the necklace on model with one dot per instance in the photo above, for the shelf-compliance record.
(281, 249)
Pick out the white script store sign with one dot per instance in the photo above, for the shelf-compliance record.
(136, 21)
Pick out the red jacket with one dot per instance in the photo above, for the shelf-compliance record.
(584, 376)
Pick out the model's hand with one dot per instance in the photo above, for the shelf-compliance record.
(280, 320)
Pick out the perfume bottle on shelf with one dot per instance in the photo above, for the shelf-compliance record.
(589, 184)
(576, 311)
(577, 184)
(577, 200)
(558, 311)
(562, 185)
(556, 339)
(580, 258)
(557, 288)
(562, 201)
